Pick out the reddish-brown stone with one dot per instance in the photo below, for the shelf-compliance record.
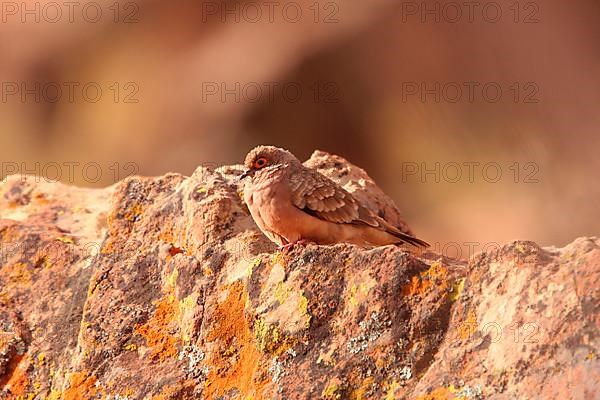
(163, 288)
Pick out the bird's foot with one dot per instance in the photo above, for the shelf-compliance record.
(289, 246)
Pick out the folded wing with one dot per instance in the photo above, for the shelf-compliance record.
(319, 196)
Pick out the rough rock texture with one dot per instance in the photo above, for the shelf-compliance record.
(163, 288)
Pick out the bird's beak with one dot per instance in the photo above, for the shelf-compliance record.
(246, 174)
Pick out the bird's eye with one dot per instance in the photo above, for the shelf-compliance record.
(260, 162)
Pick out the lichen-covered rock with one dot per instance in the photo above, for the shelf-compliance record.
(163, 288)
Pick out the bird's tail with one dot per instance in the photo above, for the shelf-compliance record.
(413, 240)
(406, 238)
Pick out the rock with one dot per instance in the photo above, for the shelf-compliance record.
(163, 288)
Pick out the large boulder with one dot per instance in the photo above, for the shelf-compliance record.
(163, 288)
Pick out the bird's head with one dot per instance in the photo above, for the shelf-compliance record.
(267, 158)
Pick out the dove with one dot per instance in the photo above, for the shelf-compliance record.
(293, 204)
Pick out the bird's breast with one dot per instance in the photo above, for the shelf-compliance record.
(269, 197)
(273, 203)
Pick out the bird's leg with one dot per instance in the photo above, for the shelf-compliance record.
(290, 245)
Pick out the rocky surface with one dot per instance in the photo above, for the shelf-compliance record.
(163, 288)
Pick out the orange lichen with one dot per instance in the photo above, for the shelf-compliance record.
(115, 218)
(41, 199)
(438, 394)
(361, 392)
(4, 297)
(416, 286)
(435, 276)
(166, 235)
(81, 386)
(157, 331)
(19, 274)
(43, 262)
(108, 246)
(235, 362)
(133, 212)
(468, 327)
(17, 381)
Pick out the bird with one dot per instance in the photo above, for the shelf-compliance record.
(293, 204)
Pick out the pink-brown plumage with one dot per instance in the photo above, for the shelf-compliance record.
(290, 202)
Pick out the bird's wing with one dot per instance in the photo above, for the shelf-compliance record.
(319, 196)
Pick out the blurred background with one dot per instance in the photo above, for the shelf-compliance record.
(480, 119)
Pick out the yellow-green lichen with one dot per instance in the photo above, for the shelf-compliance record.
(253, 265)
(281, 292)
(303, 308)
(65, 239)
(331, 392)
(391, 390)
(457, 288)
